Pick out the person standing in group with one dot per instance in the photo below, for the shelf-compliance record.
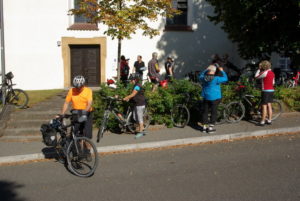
(265, 73)
(169, 66)
(138, 98)
(139, 66)
(124, 69)
(153, 71)
(211, 93)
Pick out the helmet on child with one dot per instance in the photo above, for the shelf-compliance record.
(78, 81)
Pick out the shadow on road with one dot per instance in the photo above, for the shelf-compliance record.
(8, 191)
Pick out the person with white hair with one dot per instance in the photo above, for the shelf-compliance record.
(153, 71)
(211, 93)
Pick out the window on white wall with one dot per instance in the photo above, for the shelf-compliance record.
(80, 22)
(179, 22)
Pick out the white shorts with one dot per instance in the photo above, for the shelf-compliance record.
(138, 113)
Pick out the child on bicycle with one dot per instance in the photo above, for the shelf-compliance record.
(268, 79)
(138, 98)
(211, 93)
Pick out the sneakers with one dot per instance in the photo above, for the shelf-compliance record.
(269, 122)
(208, 129)
(261, 123)
(138, 135)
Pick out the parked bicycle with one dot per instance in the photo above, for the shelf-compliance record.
(235, 111)
(78, 153)
(181, 112)
(16, 97)
(125, 121)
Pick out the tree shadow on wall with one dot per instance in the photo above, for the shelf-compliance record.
(192, 50)
(8, 191)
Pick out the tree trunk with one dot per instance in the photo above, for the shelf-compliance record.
(118, 60)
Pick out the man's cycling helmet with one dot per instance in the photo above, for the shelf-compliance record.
(78, 81)
(134, 76)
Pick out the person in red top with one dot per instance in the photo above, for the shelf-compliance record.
(268, 79)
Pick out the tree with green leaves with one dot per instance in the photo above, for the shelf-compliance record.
(260, 27)
(124, 17)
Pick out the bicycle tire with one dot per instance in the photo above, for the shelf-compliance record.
(276, 109)
(103, 126)
(180, 116)
(234, 112)
(18, 98)
(78, 161)
(131, 122)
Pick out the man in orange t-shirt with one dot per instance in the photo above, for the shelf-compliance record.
(81, 98)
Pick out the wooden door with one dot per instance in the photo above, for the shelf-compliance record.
(85, 60)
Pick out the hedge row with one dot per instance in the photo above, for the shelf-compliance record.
(160, 102)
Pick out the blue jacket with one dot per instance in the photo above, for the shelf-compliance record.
(211, 85)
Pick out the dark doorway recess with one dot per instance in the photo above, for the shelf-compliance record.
(85, 60)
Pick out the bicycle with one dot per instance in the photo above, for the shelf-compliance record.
(235, 111)
(78, 153)
(125, 121)
(180, 113)
(16, 97)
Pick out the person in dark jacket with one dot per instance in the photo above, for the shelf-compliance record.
(211, 93)
(138, 98)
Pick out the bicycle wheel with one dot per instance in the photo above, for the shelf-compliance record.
(180, 116)
(276, 108)
(234, 112)
(18, 98)
(82, 157)
(132, 125)
(102, 128)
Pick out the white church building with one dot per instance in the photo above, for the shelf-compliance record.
(45, 47)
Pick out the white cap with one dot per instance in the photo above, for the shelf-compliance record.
(212, 68)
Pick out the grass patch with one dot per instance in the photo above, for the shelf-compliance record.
(36, 96)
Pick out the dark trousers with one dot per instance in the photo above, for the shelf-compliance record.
(210, 106)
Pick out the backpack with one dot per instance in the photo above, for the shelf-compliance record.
(125, 70)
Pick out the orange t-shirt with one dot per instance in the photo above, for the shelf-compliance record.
(80, 99)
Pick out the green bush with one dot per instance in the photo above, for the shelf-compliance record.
(161, 101)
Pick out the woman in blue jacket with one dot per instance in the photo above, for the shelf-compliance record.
(211, 93)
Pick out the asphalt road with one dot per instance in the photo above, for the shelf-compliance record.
(255, 170)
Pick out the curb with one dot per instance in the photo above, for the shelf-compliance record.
(157, 145)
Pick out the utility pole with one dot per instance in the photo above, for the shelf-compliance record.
(2, 51)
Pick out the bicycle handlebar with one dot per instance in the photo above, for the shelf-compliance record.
(113, 98)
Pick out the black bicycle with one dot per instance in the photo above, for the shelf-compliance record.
(235, 111)
(125, 121)
(181, 112)
(78, 153)
(16, 97)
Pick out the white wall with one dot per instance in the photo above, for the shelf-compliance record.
(33, 27)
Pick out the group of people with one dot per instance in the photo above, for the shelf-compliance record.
(211, 78)
(214, 76)
(153, 69)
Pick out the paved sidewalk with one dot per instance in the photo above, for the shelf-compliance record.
(21, 150)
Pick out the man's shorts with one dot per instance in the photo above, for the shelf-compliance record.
(266, 97)
(86, 128)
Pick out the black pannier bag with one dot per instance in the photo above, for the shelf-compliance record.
(49, 135)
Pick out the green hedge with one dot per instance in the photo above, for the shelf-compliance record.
(160, 102)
